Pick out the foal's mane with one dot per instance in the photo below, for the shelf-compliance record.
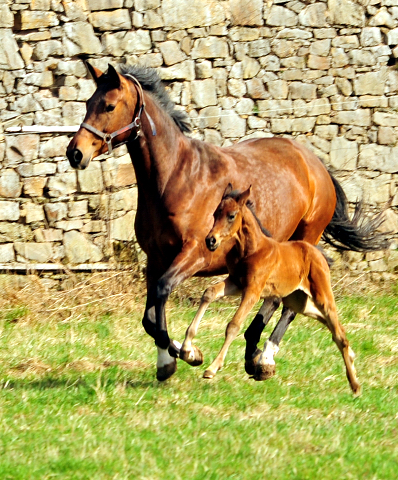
(150, 82)
(250, 205)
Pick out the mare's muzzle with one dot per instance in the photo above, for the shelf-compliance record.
(211, 243)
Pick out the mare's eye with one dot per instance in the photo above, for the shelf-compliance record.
(110, 108)
(231, 217)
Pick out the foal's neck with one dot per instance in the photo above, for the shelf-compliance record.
(250, 237)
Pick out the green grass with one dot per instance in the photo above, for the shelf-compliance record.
(79, 400)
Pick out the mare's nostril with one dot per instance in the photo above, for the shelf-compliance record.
(210, 243)
(77, 155)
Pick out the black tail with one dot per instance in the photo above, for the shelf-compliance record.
(359, 233)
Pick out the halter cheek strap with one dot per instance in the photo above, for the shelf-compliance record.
(136, 123)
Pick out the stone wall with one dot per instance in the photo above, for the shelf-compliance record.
(322, 72)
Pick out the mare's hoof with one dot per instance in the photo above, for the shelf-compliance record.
(194, 357)
(209, 374)
(250, 365)
(165, 372)
(264, 372)
(357, 391)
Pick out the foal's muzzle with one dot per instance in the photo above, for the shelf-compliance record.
(211, 243)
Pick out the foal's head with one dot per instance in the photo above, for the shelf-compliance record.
(227, 217)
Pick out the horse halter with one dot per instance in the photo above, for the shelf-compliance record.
(136, 123)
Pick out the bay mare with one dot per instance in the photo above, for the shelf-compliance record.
(180, 181)
(260, 267)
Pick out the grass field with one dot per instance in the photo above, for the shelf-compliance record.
(79, 399)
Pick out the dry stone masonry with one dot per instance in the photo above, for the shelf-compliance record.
(323, 72)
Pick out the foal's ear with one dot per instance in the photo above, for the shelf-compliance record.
(113, 77)
(96, 73)
(244, 196)
(227, 191)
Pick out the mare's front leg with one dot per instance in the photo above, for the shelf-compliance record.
(189, 261)
(265, 366)
(249, 298)
(191, 353)
(254, 331)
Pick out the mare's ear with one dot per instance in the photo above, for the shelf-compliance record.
(112, 77)
(227, 191)
(96, 73)
(244, 196)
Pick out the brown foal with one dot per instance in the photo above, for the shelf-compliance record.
(261, 267)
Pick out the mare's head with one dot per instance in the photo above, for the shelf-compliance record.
(112, 106)
(227, 217)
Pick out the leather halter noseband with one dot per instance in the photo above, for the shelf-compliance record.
(136, 123)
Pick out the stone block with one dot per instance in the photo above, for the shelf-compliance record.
(204, 92)
(232, 125)
(213, 137)
(77, 209)
(33, 20)
(48, 48)
(294, 34)
(95, 5)
(34, 186)
(80, 249)
(320, 47)
(10, 59)
(122, 228)
(125, 200)
(6, 16)
(315, 15)
(245, 106)
(94, 226)
(180, 71)
(278, 89)
(318, 63)
(61, 186)
(385, 119)
(80, 38)
(288, 125)
(319, 106)
(55, 211)
(270, 63)
(274, 108)
(345, 41)
(372, 83)
(343, 154)
(250, 67)
(136, 42)
(346, 12)
(361, 58)
(111, 20)
(73, 113)
(118, 172)
(210, 47)
(209, 117)
(236, 88)
(90, 180)
(7, 253)
(33, 212)
(10, 185)
(255, 89)
(68, 225)
(360, 117)
(345, 86)
(386, 136)
(36, 169)
(33, 251)
(281, 17)
(51, 235)
(153, 20)
(284, 48)
(171, 52)
(246, 13)
(371, 36)
(9, 210)
(54, 147)
(259, 48)
(21, 148)
(302, 90)
(180, 14)
(378, 157)
(382, 18)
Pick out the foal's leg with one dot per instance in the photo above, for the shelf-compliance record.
(187, 263)
(191, 353)
(254, 331)
(265, 366)
(249, 298)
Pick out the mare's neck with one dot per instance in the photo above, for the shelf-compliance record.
(249, 237)
(155, 157)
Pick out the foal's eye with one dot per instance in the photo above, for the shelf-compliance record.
(231, 217)
(110, 108)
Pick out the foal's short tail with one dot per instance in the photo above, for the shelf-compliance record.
(359, 233)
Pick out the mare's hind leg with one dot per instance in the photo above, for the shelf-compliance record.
(265, 366)
(191, 353)
(254, 331)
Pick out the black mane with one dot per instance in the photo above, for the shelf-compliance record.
(150, 81)
(249, 204)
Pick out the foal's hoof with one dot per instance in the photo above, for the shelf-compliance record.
(209, 374)
(250, 365)
(264, 372)
(165, 372)
(194, 356)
